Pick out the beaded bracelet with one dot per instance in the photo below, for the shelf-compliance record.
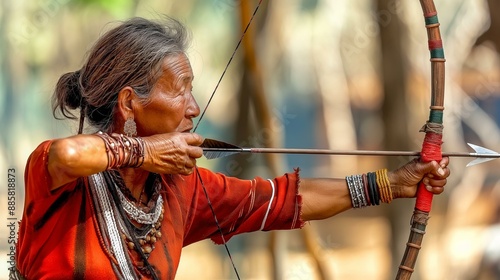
(361, 188)
(123, 151)
(384, 185)
(351, 188)
(372, 188)
(369, 189)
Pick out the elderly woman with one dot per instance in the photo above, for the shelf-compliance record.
(122, 202)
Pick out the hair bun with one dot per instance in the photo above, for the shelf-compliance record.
(73, 97)
(68, 94)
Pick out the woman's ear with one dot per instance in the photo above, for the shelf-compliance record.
(126, 98)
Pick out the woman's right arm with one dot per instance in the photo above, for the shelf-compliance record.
(84, 155)
(74, 157)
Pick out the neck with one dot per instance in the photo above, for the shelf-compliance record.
(135, 180)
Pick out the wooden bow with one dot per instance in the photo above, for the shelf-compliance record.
(431, 148)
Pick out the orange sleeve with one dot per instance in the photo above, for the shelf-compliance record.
(37, 171)
(242, 205)
(45, 213)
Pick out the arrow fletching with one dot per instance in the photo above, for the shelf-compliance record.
(213, 149)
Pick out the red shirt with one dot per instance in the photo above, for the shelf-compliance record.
(59, 237)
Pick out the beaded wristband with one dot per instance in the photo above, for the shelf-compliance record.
(361, 189)
(352, 192)
(356, 190)
(366, 188)
(369, 189)
(384, 185)
(381, 188)
(372, 181)
(142, 150)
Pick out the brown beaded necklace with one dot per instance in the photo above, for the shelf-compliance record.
(145, 233)
(147, 242)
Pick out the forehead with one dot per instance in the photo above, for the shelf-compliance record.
(176, 68)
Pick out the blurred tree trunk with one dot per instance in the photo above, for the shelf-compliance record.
(7, 106)
(493, 33)
(334, 91)
(259, 131)
(394, 112)
(252, 98)
(254, 121)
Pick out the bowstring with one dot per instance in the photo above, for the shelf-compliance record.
(227, 66)
(196, 127)
(218, 225)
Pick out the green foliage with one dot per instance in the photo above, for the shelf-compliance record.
(117, 8)
(308, 5)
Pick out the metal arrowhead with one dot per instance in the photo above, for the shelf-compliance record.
(483, 151)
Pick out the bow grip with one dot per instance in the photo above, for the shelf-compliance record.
(431, 150)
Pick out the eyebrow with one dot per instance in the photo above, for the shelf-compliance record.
(182, 81)
(188, 78)
(185, 78)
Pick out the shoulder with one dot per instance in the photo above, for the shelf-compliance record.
(41, 152)
(36, 165)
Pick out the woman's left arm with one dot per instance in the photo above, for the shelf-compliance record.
(324, 198)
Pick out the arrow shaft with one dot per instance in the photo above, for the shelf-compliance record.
(336, 152)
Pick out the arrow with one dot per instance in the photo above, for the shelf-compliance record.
(213, 149)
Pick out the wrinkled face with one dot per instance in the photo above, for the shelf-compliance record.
(171, 107)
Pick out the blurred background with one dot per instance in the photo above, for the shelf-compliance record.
(309, 74)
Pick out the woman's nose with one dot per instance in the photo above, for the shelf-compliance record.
(193, 110)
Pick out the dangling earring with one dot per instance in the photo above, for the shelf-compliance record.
(130, 128)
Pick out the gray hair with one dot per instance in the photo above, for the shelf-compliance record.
(128, 55)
